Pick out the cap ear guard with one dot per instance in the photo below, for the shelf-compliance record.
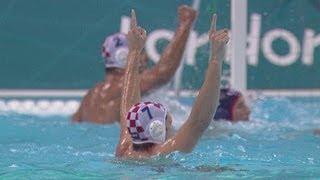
(146, 123)
(121, 56)
(157, 131)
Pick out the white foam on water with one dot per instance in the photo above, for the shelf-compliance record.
(13, 166)
(42, 107)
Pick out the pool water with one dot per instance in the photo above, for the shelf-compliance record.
(277, 143)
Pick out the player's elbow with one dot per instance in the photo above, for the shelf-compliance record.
(165, 74)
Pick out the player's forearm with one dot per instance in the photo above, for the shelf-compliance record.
(172, 55)
(131, 84)
(208, 97)
(202, 111)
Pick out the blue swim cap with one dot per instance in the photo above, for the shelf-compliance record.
(227, 100)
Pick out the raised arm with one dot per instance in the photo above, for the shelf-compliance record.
(131, 85)
(170, 59)
(207, 99)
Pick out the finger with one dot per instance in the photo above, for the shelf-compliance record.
(218, 33)
(142, 34)
(133, 20)
(213, 25)
(227, 39)
(136, 31)
(222, 37)
(221, 33)
(142, 31)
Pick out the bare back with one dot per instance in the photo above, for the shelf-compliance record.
(101, 104)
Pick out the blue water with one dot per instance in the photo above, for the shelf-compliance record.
(277, 143)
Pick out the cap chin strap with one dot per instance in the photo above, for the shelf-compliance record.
(157, 131)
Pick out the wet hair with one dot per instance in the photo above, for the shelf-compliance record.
(111, 70)
(142, 147)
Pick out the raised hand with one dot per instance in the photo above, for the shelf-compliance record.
(136, 36)
(186, 14)
(218, 40)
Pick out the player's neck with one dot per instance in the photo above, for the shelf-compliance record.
(114, 75)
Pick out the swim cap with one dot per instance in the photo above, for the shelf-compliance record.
(146, 123)
(115, 51)
(227, 100)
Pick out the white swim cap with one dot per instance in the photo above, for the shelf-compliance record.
(146, 123)
(115, 51)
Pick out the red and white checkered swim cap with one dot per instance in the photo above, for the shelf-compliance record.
(146, 123)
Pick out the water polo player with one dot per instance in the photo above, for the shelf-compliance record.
(102, 103)
(232, 106)
(146, 126)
